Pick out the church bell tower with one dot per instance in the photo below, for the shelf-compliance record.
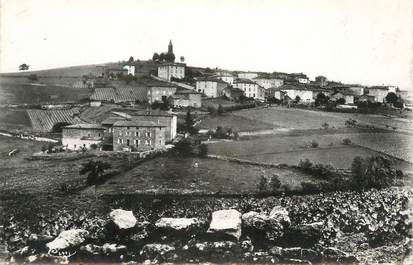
(170, 47)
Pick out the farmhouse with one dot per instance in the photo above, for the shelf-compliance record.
(115, 73)
(380, 92)
(129, 68)
(347, 95)
(160, 92)
(250, 88)
(171, 70)
(187, 98)
(233, 93)
(168, 119)
(267, 82)
(78, 136)
(247, 75)
(210, 86)
(295, 92)
(138, 136)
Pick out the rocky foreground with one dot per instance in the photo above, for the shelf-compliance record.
(341, 227)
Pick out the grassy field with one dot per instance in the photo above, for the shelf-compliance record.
(302, 119)
(170, 174)
(291, 149)
(14, 120)
(237, 123)
(35, 94)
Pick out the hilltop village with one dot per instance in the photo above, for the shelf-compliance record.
(155, 161)
(154, 92)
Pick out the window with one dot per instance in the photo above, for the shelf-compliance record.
(137, 134)
(119, 141)
(137, 142)
(147, 142)
(120, 133)
(148, 134)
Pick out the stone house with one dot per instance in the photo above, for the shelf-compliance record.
(247, 75)
(250, 88)
(168, 70)
(187, 98)
(347, 95)
(210, 86)
(138, 136)
(233, 93)
(267, 82)
(160, 92)
(78, 136)
(380, 92)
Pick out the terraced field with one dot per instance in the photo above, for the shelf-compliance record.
(44, 120)
(120, 94)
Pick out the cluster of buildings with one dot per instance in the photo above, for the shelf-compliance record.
(135, 132)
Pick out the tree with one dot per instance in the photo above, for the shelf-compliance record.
(262, 184)
(184, 147)
(24, 67)
(275, 183)
(203, 150)
(189, 123)
(96, 172)
(131, 59)
(170, 57)
(321, 99)
(297, 99)
(392, 98)
(155, 57)
(182, 59)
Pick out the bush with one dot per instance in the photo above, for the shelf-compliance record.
(94, 146)
(275, 183)
(262, 184)
(203, 150)
(309, 187)
(346, 141)
(314, 144)
(184, 147)
(325, 125)
(373, 172)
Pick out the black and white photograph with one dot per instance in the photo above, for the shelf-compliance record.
(149, 132)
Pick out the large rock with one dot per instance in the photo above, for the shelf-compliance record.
(281, 214)
(220, 250)
(272, 226)
(123, 219)
(178, 224)
(68, 239)
(226, 222)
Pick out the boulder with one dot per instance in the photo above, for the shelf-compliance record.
(226, 222)
(178, 224)
(270, 227)
(123, 219)
(216, 250)
(281, 214)
(68, 239)
(296, 253)
(152, 251)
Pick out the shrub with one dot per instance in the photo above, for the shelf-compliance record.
(346, 141)
(305, 164)
(203, 150)
(184, 147)
(262, 184)
(314, 144)
(94, 146)
(275, 183)
(325, 125)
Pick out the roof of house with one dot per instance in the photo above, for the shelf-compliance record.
(380, 87)
(136, 123)
(211, 79)
(186, 91)
(345, 92)
(119, 94)
(173, 64)
(244, 81)
(234, 89)
(85, 126)
(112, 120)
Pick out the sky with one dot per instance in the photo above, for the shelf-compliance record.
(367, 42)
